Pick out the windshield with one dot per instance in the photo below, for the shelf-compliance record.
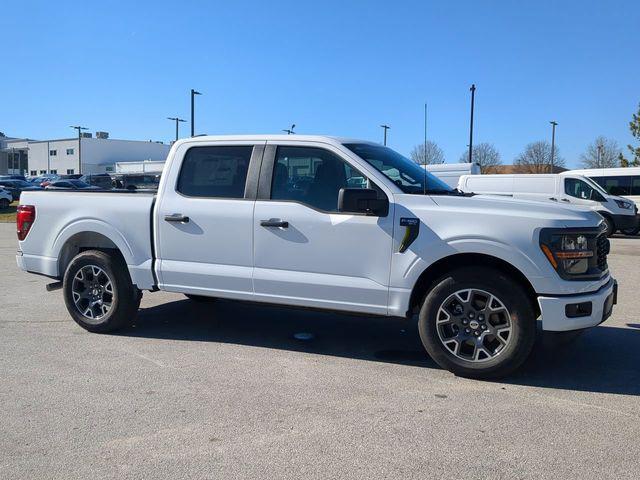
(406, 174)
(596, 186)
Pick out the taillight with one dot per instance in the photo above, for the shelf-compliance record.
(25, 216)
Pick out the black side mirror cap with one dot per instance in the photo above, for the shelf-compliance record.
(362, 200)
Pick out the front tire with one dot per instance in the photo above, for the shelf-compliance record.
(611, 228)
(98, 292)
(477, 323)
(631, 231)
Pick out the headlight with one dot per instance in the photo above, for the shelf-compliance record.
(623, 204)
(572, 253)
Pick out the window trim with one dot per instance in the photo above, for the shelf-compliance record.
(267, 169)
(251, 183)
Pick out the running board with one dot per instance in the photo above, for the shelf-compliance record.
(53, 286)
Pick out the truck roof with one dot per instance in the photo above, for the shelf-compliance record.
(277, 137)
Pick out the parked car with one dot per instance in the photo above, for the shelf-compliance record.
(5, 198)
(71, 184)
(16, 187)
(570, 189)
(476, 270)
(450, 173)
(100, 180)
(12, 177)
(136, 181)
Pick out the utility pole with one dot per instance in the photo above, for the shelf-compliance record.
(473, 100)
(193, 94)
(177, 120)
(553, 141)
(289, 131)
(385, 128)
(79, 129)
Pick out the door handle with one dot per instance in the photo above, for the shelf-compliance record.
(553, 198)
(274, 222)
(565, 200)
(176, 217)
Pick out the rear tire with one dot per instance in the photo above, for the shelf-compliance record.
(477, 323)
(98, 292)
(631, 231)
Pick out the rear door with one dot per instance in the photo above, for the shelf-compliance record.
(306, 252)
(204, 219)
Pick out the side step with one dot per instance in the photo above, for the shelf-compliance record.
(53, 286)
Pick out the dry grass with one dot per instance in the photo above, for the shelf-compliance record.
(8, 215)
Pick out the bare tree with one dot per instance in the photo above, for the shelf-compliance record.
(485, 155)
(536, 158)
(427, 153)
(602, 153)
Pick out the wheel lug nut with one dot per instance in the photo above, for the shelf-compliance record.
(481, 317)
(483, 327)
(467, 330)
(477, 334)
(465, 321)
(471, 314)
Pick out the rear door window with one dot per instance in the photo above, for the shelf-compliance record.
(215, 171)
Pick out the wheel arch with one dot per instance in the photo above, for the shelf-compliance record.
(447, 264)
(82, 241)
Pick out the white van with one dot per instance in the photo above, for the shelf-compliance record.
(450, 173)
(568, 188)
(624, 182)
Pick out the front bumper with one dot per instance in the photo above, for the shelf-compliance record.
(624, 222)
(554, 309)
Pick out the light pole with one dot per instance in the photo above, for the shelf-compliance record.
(177, 120)
(193, 94)
(473, 100)
(385, 128)
(425, 134)
(289, 131)
(553, 141)
(600, 147)
(79, 129)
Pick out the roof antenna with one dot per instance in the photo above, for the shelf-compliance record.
(424, 165)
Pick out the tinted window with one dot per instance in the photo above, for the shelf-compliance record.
(615, 185)
(215, 171)
(312, 176)
(579, 189)
(635, 185)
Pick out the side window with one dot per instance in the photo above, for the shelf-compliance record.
(312, 176)
(579, 189)
(617, 185)
(219, 172)
(635, 185)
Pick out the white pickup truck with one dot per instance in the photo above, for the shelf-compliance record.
(333, 224)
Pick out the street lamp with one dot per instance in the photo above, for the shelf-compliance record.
(193, 94)
(385, 128)
(553, 141)
(79, 129)
(177, 120)
(289, 131)
(600, 147)
(473, 100)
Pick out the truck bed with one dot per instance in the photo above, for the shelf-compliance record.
(113, 218)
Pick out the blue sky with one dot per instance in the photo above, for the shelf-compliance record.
(339, 68)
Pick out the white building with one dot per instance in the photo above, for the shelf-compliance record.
(99, 155)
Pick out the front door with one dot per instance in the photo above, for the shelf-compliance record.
(306, 252)
(204, 222)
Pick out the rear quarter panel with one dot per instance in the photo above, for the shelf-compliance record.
(121, 217)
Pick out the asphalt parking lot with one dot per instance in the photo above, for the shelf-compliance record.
(224, 390)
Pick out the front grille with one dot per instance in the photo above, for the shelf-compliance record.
(602, 250)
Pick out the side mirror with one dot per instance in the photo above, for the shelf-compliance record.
(362, 200)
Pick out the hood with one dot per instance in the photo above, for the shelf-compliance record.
(539, 213)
